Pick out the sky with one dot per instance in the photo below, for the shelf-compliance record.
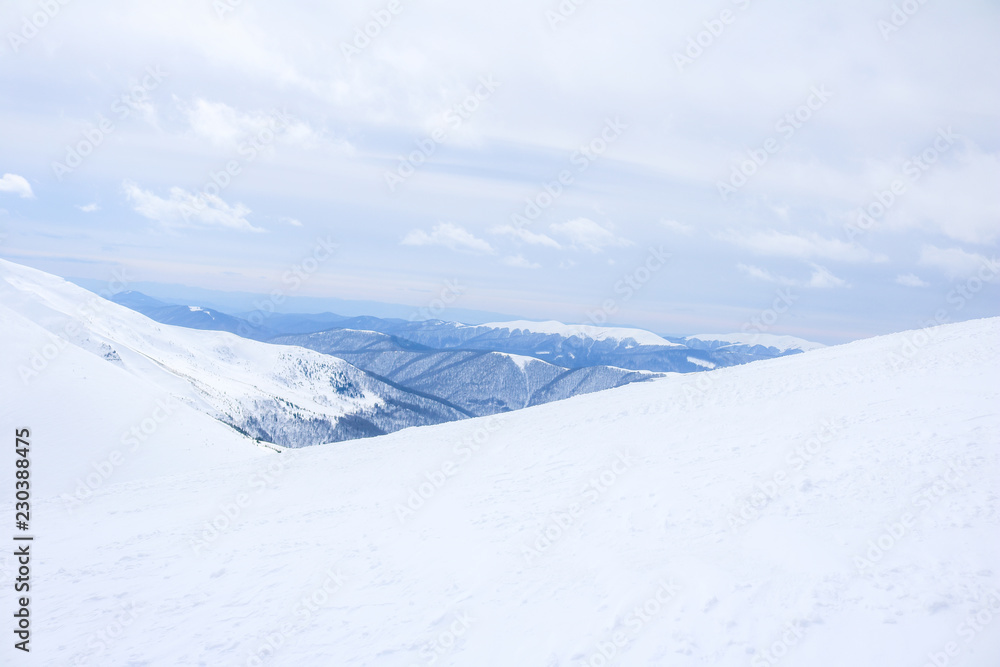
(827, 170)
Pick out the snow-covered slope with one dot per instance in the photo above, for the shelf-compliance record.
(777, 342)
(830, 509)
(553, 328)
(284, 395)
(101, 424)
(479, 382)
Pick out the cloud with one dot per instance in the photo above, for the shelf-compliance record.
(958, 198)
(677, 227)
(291, 221)
(910, 280)
(450, 236)
(184, 209)
(813, 246)
(16, 184)
(224, 125)
(821, 277)
(526, 236)
(955, 262)
(518, 261)
(588, 235)
(765, 275)
(89, 208)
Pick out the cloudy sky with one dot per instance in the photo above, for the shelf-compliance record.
(676, 166)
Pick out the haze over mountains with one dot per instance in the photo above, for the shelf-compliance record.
(830, 508)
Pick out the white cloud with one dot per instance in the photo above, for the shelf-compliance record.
(822, 278)
(450, 236)
(526, 236)
(224, 125)
(89, 208)
(518, 261)
(955, 262)
(765, 275)
(677, 227)
(16, 184)
(776, 244)
(586, 234)
(910, 280)
(958, 197)
(291, 221)
(184, 209)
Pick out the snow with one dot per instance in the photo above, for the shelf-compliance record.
(552, 327)
(837, 508)
(297, 394)
(701, 362)
(782, 343)
(523, 361)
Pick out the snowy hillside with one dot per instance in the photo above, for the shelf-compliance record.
(829, 509)
(776, 342)
(585, 331)
(284, 395)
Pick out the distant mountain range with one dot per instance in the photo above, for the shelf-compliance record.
(566, 345)
(481, 382)
(395, 373)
